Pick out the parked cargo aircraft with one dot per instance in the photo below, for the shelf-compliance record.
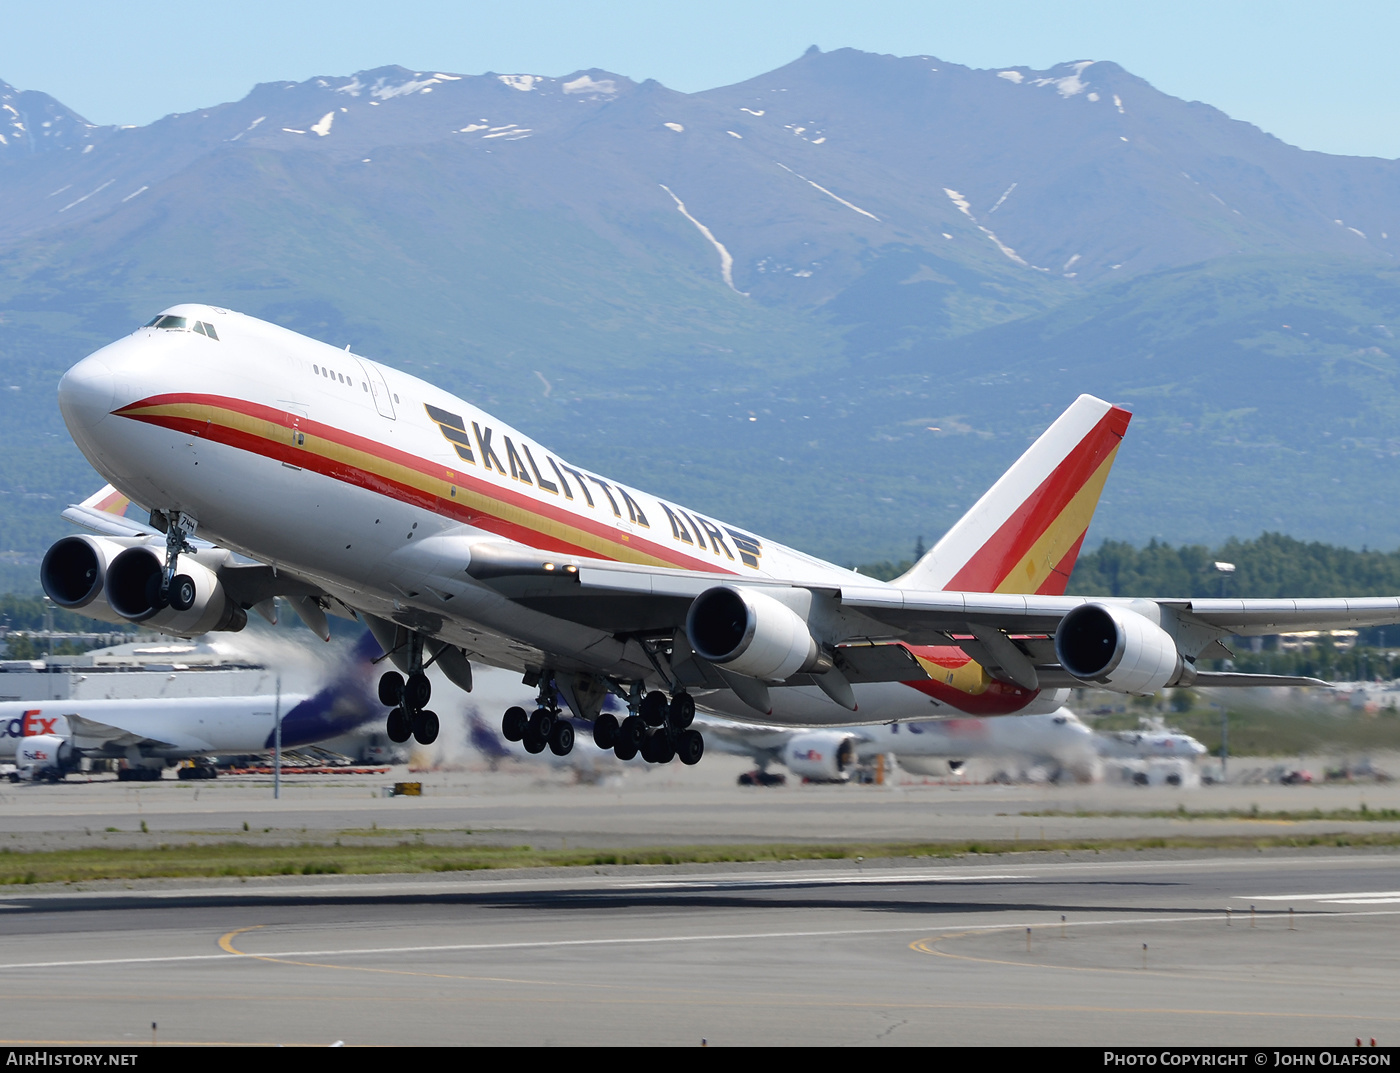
(49, 739)
(1057, 738)
(272, 464)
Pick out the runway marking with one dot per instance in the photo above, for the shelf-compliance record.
(1360, 897)
(883, 879)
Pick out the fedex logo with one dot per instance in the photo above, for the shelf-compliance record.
(33, 723)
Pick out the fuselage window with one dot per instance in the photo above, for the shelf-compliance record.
(316, 369)
(199, 326)
(169, 322)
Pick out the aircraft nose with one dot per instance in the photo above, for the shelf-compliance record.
(86, 393)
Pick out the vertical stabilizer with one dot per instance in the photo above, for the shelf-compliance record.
(1024, 535)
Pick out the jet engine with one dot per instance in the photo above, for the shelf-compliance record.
(43, 756)
(752, 634)
(74, 575)
(133, 590)
(1119, 650)
(821, 756)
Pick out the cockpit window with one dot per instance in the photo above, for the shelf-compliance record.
(182, 324)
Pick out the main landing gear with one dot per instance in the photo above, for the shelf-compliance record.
(658, 730)
(408, 699)
(546, 725)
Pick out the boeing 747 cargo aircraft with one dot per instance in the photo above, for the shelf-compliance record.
(272, 464)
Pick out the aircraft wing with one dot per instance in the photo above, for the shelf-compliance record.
(93, 734)
(1010, 634)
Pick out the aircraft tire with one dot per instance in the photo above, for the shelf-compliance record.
(605, 731)
(632, 732)
(662, 751)
(182, 592)
(153, 597)
(690, 747)
(417, 691)
(514, 724)
(653, 708)
(624, 748)
(534, 744)
(561, 738)
(541, 724)
(682, 711)
(425, 727)
(398, 728)
(391, 689)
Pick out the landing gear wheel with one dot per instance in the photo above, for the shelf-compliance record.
(631, 732)
(561, 738)
(417, 691)
(541, 724)
(391, 689)
(534, 744)
(682, 712)
(514, 724)
(653, 708)
(182, 592)
(690, 747)
(398, 728)
(624, 749)
(425, 728)
(605, 731)
(662, 751)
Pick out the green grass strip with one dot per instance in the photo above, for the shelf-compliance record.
(237, 859)
(1181, 813)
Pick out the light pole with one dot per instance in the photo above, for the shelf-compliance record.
(1224, 570)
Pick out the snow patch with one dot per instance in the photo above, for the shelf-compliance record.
(1012, 76)
(323, 128)
(471, 127)
(733, 135)
(673, 126)
(1093, 96)
(87, 149)
(818, 141)
(966, 209)
(584, 84)
(726, 262)
(760, 112)
(1070, 263)
(447, 78)
(134, 193)
(386, 92)
(290, 130)
(1069, 85)
(828, 193)
(1118, 103)
(524, 83)
(1002, 198)
(80, 200)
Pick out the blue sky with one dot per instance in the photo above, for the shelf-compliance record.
(1317, 74)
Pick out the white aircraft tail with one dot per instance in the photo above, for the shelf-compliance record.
(1024, 535)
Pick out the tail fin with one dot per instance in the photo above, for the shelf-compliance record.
(1024, 535)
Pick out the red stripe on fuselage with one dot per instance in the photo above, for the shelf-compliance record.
(303, 458)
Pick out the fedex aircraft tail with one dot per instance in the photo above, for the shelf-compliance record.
(1024, 535)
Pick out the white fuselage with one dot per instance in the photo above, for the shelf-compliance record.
(374, 484)
(169, 726)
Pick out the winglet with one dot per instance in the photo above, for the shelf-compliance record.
(1024, 535)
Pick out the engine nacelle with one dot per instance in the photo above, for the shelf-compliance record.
(751, 634)
(133, 590)
(1118, 649)
(821, 756)
(43, 756)
(74, 574)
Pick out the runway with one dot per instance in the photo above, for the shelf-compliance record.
(901, 951)
(856, 954)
